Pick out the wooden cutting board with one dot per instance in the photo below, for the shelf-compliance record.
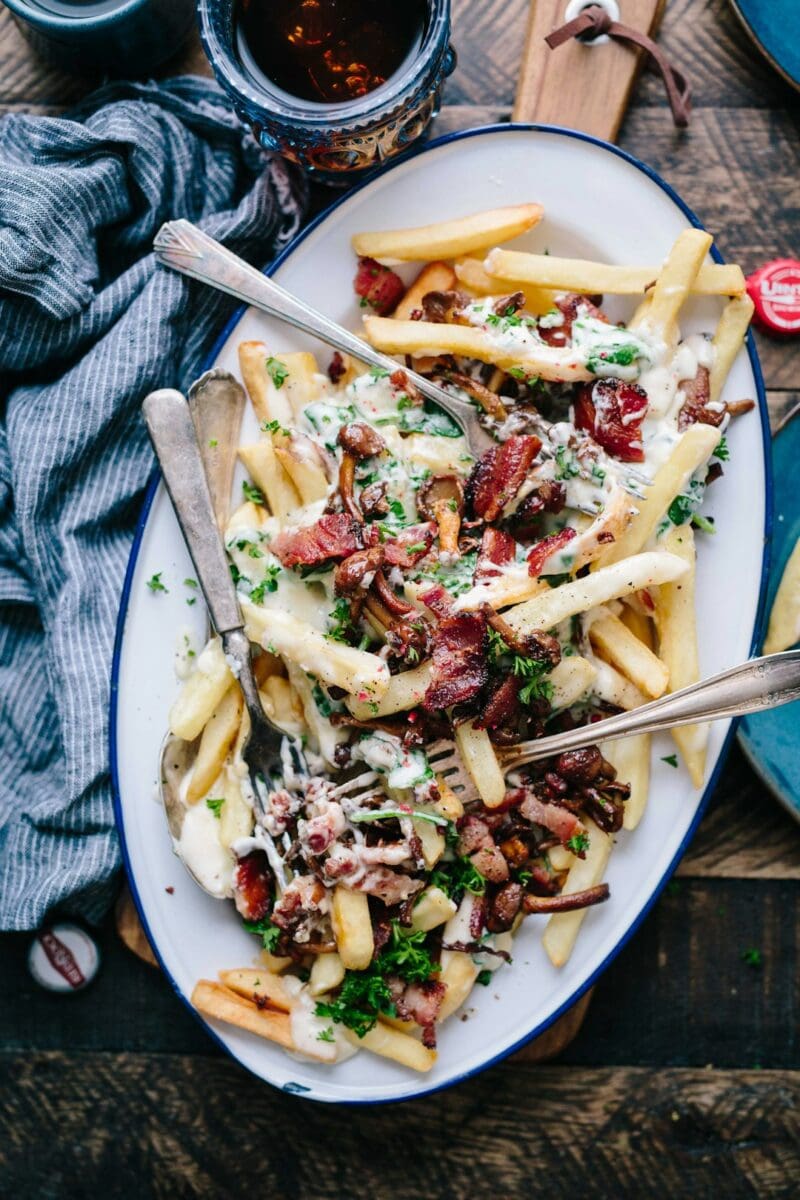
(580, 86)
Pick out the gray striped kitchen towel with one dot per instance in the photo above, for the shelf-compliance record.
(89, 325)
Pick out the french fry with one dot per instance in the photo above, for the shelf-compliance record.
(677, 637)
(694, 448)
(249, 982)
(613, 688)
(639, 625)
(501, 591)
(431, 840)
(631, 758)
(220, 1003)
(404, 690)
(448, 805)
(217, 738)
(561, 859)
(433, 908)
(425, 337)
(618, 646)
(674, 283)
(352, 927)
(472, 273)
(562, 928)
(571, 680)
(282, 705)
(390, 1043)
(449, 239)
(593, 278)
(270, 476)
(728, 341)
(275, 963)
(326, 974)
(784, 620)
(608, 583)
(201, 693)
(362, 674)
(299, 458)
(458, 975)
(236, 815)
(297, 373)
(478, 756)
(434, 277)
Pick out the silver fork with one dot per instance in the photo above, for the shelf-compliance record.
(751, 687)
(172, 432)
(185, 248)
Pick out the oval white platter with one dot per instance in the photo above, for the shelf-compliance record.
(598, 204)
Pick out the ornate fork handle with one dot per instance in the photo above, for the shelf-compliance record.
(185, 248)
(753, 686)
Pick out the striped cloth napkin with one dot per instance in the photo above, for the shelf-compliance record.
(88, 326)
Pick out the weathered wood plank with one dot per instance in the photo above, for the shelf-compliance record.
(165, 1126)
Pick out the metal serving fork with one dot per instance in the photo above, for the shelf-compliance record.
(172, 432)
(185, 248)
(753, 686)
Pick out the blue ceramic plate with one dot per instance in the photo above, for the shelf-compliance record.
(774, 26)
(771, 740)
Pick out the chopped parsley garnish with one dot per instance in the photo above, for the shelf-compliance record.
(269, 932)
(155, 584)
(752, 957)
(621, 356)
(213, 443)
(192, 583)
(252, 493)
(268, 584)
(365, 995)
(704, 523)
(397, 510)
(722, 451)
(456, 876)
(419, 418)
(671, 760)
(215, 803)
(274, 427)
(578, 843)
(341, 626)
(484, 977)
(378, 372)
(567, 466)
(277, 371)
(536, 686)
(417, 548)
(326, 1035)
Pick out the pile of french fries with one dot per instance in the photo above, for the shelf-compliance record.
(636, 598)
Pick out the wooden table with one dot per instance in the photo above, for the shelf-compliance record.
(685, 1078)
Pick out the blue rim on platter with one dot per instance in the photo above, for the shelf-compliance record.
(774, 27)
(771, 740)
(483, 131)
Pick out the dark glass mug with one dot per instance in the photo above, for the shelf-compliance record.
(334, 141)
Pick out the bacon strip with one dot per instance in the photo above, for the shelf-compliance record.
(333, 536)
(252, 886)
(612, 412)
(459, 661)
(497, 549)
(398, 550)
(380, 287)
(549, 545)
(560, 821)
(499, 474)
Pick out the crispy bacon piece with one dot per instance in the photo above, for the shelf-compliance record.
(696, 407)
(336, 367)
(252, 886)
(499, 473)
(566, 903)
(560, 821)
(333, 536)
(560, 335)
(502, 705)
(419, 1002)
(612, 412)
(540, 553)
(504, 906)
(459, 661)
(497, 549)
(410, 545)
(475, 842)
(438, 600)
(378, 285)
(549, 496)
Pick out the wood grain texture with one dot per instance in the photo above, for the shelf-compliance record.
(581, 86)
(202, 1127)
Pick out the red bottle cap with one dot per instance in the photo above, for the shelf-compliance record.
(775, 291)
